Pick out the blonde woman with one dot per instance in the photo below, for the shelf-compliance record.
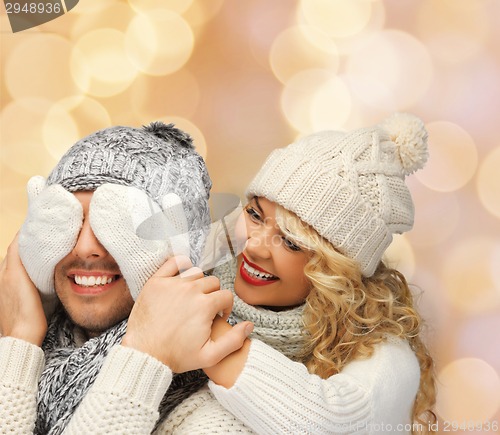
(336, 345)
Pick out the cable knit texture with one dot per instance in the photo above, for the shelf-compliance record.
(159, 160)
(282, 330)
(21, 364)
(276, 395)
(125, 396)
(272, 395)
(74, 365)
(49, 232)
(350, 187)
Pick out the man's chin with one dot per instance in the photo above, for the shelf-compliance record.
(94, 327)
(97, 313)
(95, 320)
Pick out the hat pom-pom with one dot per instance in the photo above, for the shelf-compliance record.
(410, 136)
(169, 133)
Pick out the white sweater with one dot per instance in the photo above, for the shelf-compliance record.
(124, 399)
(273, 395)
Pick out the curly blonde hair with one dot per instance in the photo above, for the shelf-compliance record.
(347, 314)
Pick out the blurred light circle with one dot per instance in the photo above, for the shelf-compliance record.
(495, 261)
(480, 337)
(468, 278)
(337, 18)
(260, 30)
(21, 124)
(292, 51)
(12, 214)
(488, 182)
(89, 114)
(159, 42)
(453, 48)
(298, 96)
(13, 202)
(350, 44)
(399, 255)
(469, 390)
(391, 70)
(111, 15)
(70, 119)
(453, 31)
(40, 73)
(99, 64)
(453, 157)
(371, 92)
(178, 6)
(436, 217)
(199, 13)
(154, 97)
(478, 86)
(331, 105)
(93, 8)
(59, 131)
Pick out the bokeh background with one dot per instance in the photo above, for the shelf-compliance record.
(246, 76)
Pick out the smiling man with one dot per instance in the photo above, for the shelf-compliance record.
(88, 281)
(79, 257)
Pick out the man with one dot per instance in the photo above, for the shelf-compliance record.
(94, 238)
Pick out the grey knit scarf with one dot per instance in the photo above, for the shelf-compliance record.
(70, 371)
(282, 330)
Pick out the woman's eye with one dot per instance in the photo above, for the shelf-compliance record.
(253, 214)
(290, 245)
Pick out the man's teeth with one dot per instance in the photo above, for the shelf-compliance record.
(90, 281)
(257, 273)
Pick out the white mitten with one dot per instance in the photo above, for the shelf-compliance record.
(135, 231)
(49, 232)
(178, 225)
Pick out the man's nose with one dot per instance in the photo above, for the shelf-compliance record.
(87, 245)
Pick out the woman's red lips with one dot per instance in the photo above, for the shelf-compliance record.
(255, 275)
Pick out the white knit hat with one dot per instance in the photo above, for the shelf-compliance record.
(349, 186)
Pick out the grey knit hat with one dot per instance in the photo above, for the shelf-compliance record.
(157, 159)
(350, 187)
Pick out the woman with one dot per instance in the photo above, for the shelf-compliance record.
(336, 346)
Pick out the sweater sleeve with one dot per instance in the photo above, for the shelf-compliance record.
(201, 414)
(21, 364)
(276, 395)
(124, 397)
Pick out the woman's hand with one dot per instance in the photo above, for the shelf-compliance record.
(173, 315)
(21, 310)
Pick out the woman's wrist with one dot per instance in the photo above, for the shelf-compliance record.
(226, 372)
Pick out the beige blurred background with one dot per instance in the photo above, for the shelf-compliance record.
(246, 76)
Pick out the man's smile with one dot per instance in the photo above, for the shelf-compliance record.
(91, 282)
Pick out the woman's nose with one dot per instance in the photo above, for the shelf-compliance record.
(259, 243)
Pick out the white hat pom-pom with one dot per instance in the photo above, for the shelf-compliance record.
(410, 136)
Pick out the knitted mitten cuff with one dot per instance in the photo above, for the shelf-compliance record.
(134, 375)
(21, 363)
